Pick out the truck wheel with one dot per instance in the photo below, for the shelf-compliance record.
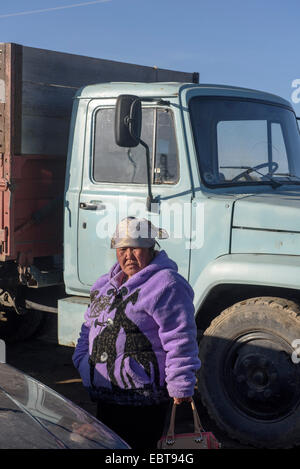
(15, 327)
(250, 380)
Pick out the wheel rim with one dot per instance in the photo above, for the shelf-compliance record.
(259, 376)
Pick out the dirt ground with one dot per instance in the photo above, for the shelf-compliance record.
(47, 361)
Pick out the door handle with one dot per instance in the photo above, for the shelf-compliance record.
(93, 205)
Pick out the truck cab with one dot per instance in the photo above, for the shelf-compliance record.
(225, 184)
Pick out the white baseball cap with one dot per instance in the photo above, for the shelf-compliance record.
(136, 232)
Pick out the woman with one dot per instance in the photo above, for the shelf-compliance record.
(137, 346)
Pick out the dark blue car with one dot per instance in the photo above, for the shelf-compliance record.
(33, 416)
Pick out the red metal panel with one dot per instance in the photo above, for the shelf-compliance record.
(37, 206)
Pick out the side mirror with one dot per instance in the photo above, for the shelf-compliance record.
(128, 120)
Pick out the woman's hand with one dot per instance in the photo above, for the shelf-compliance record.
(179, 400)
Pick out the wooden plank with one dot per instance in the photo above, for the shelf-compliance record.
(49, 82)
(46, 101)
(2, 127)
(45, 135)
(17, 56)
(46, 114)
(2, 73)
(2, 141)
(45, 66)
(6, 199)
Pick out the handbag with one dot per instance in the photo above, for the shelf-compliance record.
(200, 439)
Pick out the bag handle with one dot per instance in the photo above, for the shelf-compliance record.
(197, 424)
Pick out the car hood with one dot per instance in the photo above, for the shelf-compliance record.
(34, 416)
(267, 223)
(268, 211)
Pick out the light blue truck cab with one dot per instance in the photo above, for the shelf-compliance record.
(225, 180)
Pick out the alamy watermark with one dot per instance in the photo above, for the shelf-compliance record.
(296, 354)
(182, 220)
(295, 96)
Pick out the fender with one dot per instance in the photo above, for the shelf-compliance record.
(250, 269)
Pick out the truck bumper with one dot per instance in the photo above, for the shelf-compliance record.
(70, 319)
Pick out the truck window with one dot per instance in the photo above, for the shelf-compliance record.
(115, 164)
(279, 149)
(242, 142)
(166, 159)
(246, 143)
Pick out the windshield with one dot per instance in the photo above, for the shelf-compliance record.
(243, 142)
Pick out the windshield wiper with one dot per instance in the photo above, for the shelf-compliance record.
(248, 170)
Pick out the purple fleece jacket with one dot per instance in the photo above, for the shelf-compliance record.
(140, 335)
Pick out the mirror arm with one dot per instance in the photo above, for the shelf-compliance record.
(150, 196)
(127, 122)
(150, 199)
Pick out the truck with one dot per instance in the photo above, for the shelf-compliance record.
(218, 168)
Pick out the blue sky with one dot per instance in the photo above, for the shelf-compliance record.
(247, 43)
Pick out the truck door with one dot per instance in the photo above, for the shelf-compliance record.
(114, 185)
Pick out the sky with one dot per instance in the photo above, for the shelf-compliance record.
(252, 44)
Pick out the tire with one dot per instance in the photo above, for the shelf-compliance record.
(16, 328)
(249, 380)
